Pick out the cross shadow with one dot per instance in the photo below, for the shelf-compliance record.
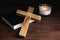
(17, 34)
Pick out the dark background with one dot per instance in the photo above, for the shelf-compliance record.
(8, 6)
(47, 29)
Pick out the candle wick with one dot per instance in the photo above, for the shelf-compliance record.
(43, 4)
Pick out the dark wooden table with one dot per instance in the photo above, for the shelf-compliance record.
(47, 29)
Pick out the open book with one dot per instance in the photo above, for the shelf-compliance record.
(14, 21)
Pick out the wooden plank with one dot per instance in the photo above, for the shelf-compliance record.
(26, 22)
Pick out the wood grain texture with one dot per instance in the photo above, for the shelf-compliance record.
(24, 29)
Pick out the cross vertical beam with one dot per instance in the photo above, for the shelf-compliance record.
(26, 22)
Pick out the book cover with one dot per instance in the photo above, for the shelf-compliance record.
(14, 21)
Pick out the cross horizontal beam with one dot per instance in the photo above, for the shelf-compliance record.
(34, 16)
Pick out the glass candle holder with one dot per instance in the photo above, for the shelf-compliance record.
(45, 9)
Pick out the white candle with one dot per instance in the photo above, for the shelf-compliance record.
(44, 10)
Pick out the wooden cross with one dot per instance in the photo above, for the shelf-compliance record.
(27, 19)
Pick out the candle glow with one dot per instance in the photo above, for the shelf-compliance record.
(44, 8)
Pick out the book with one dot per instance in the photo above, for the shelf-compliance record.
(14, 21)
